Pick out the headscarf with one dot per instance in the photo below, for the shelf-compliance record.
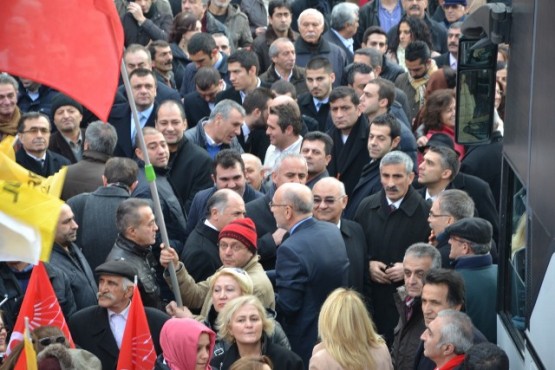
(179, 339)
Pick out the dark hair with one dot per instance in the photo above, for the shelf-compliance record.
(182, 23)
(436, 103)
(417, 50)
(485, 356)
(227, 158)
(371, 30)
(376, 59)
(419, 32)
(274, 4)
(357, 68)
(143, 72)
(258, 98)
(318, 63)
(389, 120)
(156, 44)
(127, 214)
(121, 170)
(386, 90)
(246, 58)
(287, 116)
(252, 363)
(133, 48)
(449, 159)
(201, 42)
(343, 92)
(206, 77)
(320, 136)
(29, 116)
(101, 137)
(282, 87)
(174, 103)
(453, 281)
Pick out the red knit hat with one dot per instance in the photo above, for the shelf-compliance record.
(243, 230)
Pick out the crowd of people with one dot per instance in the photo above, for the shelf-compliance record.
(319, 212)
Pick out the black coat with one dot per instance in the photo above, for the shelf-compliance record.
(389, 234)
(201, 255)
(357, 251)
(194, 161)
(78, 271)
(188, 83)
(163, 93)
(443, 60)
(306, 104)
(282, 358)
(59, 145)
(120, 118)
(196, 108)
(259, 211)
(369, 183)
(407, 333)
(257, 143)
(156, 27)
(52, 164)
(90, 330)
(347, 160)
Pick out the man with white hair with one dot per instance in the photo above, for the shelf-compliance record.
(311, 44)
(344, 25)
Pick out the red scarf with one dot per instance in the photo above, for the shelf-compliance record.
(452, 363)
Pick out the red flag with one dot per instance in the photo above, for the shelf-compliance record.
(137, 350)
(41, 306)
(74, 46)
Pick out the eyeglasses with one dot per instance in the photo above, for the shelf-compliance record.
(234, 247)
(272, 204)
(329, 201)
(431, 214)
(36, 130)
(51, 340)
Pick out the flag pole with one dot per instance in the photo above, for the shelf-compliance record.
(151, 177)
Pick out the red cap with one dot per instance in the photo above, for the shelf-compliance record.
(243, 230)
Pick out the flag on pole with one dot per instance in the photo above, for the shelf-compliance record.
(41, 306)
(28, 221)
(137, 349)
(28, 358)
(73, 46)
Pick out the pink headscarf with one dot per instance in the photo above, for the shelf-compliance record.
(179, 339)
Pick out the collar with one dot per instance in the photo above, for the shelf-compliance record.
(43, 158)
(347, 42)
(123, 313)
(397, 204)
(209, 140)
(147, 112)
(71, 142)
(246, 130)
(323, 101)
(210, 225)
(283, 77)
(452, 363)
(292, 230)
(453, 61)
(220, 60)
(473, 261)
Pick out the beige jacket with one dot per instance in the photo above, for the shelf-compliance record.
(322, 360)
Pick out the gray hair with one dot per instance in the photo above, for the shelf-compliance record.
(343, 14)
(456, 330)
(274, 48)
(479, 249)
(101, 137)
(127, 214)
(218, 200)
(376, 58)
(423, 250)
(300, 204)
(284, 156)
(126, 283)
(6, 79)
(225, 107)
(456, 25)
(310, 11)
(397, 157)
(456, 203)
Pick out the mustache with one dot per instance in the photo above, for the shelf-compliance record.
(391, 188)
(453, 44)
(414, 7)
(104, 295)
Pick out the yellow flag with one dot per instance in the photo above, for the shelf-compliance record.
(6, 147)
(28, 221)
(30, 354)
(12, 171)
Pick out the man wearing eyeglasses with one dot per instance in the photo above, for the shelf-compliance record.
(34, 134)
(330, 200)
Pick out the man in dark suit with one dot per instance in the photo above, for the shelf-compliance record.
(392, 220)
(67, 115)
(289, 168)
(349, 155)
(450, 58)
(253, 138)
(330, 200)
(310, 264)
(34, 134)
(199, 103)
(344, 25)
(99, 329)
(143, 83)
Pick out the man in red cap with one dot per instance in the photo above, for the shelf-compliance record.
(237, 247)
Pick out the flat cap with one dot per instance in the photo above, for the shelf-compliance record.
(474, 229)
(118, 268)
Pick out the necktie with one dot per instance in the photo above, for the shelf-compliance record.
(429, 202)
(392, 208)
(318, 106)
(40, 162)
(409, 302)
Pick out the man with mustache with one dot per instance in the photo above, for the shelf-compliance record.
(99, 328)
(392, 220)
(34, 131)
(67, 256)
(162, 62)
(450, 58)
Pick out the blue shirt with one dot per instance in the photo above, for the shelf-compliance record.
(389, 20)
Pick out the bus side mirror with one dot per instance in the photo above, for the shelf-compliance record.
(475, 91)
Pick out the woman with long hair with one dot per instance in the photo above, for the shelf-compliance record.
(184, 26)
(409, 29)
(244, 323)
(349, 338)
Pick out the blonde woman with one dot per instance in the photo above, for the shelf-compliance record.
(349, 338)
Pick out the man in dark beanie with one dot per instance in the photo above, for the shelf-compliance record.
(68, 140)
(237, 247)
(470, 240)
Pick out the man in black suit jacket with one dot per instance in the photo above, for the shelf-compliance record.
(344, 25)
(310, 264)
(450, 58)
(91, 327)
(253, 138)
(198, 104)
(143, 83)
(315, 103)
(34, 135)
(69, 139)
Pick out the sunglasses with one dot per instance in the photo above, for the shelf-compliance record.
(51, 340)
